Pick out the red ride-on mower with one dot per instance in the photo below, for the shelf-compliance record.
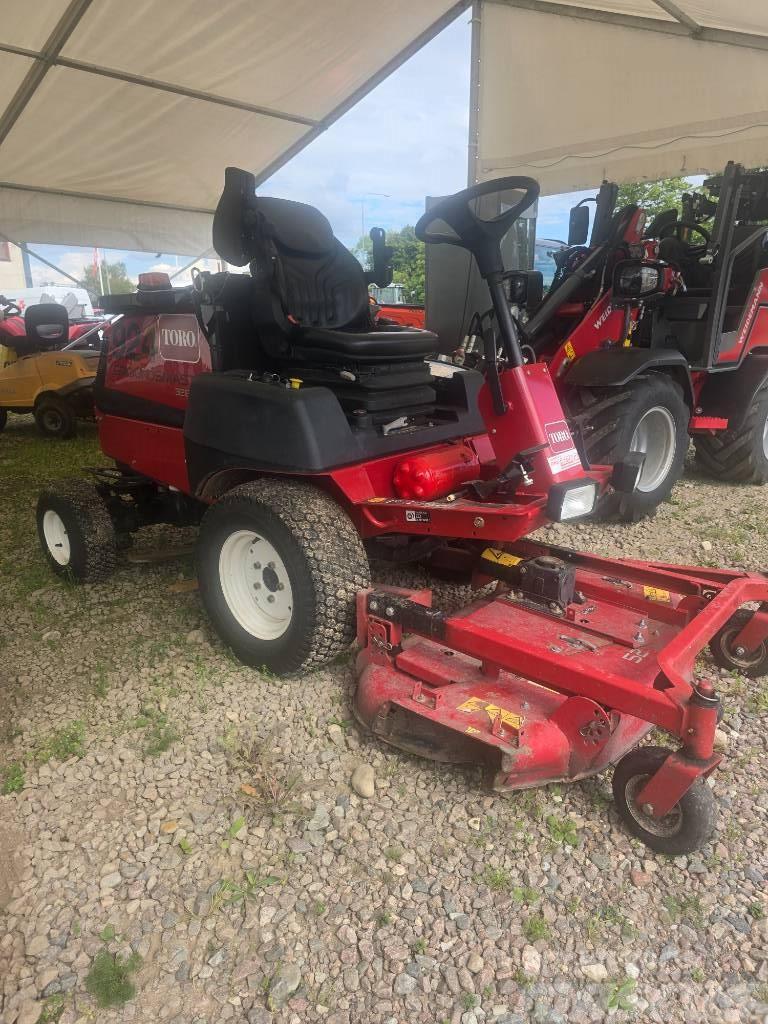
(316, 435)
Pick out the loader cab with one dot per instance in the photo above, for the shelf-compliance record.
(720, 246)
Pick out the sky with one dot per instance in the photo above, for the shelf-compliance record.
(407, 139)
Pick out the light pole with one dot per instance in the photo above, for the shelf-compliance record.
(382, 195)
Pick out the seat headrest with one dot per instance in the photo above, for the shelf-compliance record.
(243, 219)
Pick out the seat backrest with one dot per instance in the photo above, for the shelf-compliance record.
(46, 326)
(294, 258)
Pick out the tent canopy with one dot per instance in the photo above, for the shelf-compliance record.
(117, 119)
(571, 93)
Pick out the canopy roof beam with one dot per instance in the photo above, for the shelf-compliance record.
(63, 29)
(155, 83)
(675, 28)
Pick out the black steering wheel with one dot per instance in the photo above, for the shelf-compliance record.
(481, 237)
(677, 227)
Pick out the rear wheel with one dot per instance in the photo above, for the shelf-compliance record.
(279, 566)
(3, 419)
(739, 456)
(649, 416)
(55, 417)
(76, 532)
(686, 827)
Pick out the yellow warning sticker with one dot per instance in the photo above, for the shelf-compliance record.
(570, 351)
(508, 718)
(656, 594)
(500, 557)
(472, 730)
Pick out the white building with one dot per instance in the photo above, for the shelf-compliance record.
(11, 269)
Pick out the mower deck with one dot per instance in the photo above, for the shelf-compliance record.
(540, 692)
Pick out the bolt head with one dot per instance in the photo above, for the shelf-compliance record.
(257, 565)
(270, 565)
(374, 606)
(271, 598)
(257, 586)
(478, 522)
(740, 652)
(389, 612)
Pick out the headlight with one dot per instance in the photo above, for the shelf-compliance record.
(633, 279)
(571, 500)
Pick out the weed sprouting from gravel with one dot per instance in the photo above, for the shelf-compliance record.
(497, 879)
(53, 1008)
(563, 830)
(12, 779)
(535, 928)
(230, 893)
(393, 854)
(620, 996)
(469, 1000)
(109, 979)
(69, 741)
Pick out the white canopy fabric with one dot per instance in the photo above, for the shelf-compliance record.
(117, 118)
(572, 93)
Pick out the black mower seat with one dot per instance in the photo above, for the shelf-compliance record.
(308, 289)
(390, 343)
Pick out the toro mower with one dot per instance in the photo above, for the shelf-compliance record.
(269, 408)
(47, 366)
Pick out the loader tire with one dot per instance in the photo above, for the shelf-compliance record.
(649, 415)
(738, 456)
(279, 565)
(76, 531)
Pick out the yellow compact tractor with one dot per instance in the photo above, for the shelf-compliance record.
(47, 367)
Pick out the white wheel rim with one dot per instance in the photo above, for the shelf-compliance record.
(655, 436)
(56, 537)
(765, 438)
(256, 585)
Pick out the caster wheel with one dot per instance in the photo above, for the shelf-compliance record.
(727, 655)
(686, 827)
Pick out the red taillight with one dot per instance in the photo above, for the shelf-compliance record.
(433, 475)
(154, 280)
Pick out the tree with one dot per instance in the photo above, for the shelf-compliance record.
(408, 267)
(116, 280)
(654, 196)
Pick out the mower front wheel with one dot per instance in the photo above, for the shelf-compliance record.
(55, 417)
(686, 827)
(76, 532)
(279, 566)
(726, 654)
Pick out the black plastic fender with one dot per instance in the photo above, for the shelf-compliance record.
(615, 367)
(729, 394)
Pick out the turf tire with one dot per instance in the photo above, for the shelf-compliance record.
(322, 554)
(90, 533)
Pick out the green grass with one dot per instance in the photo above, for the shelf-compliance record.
(469, 1000)
(109, 979)
(69, 741)
(393, 854)
(12, 779)
(230, 893)
(535, 928)
(497, 879)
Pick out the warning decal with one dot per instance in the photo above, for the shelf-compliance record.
(508, 718)
(656, 594)
(500, 557)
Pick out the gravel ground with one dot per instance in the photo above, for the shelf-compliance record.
(164, 803)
